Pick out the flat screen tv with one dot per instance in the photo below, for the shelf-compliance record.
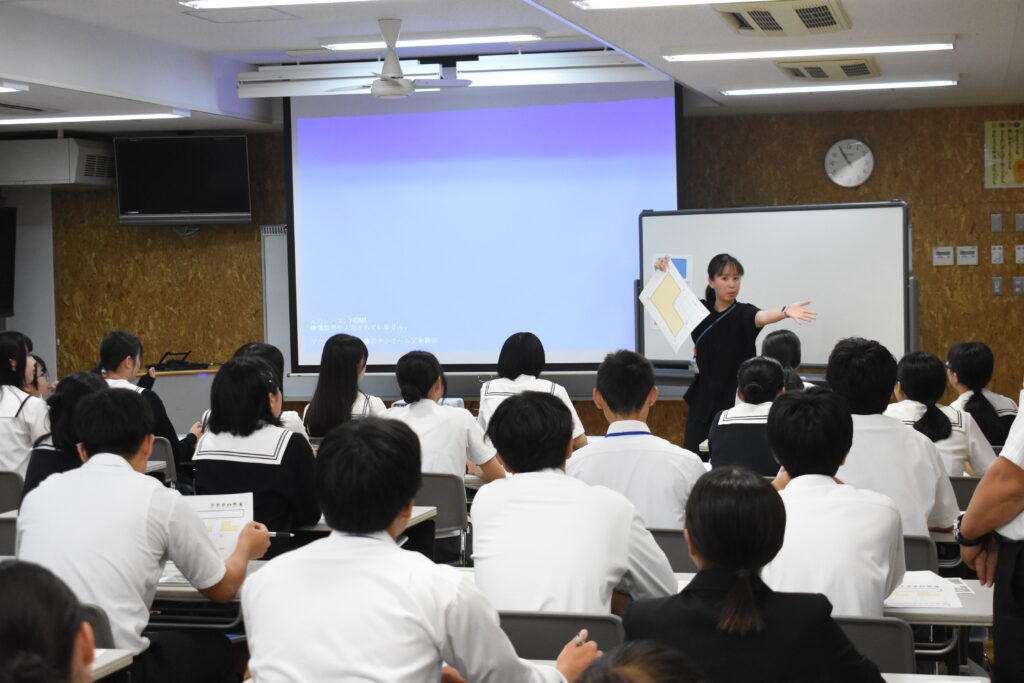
(182, 180)
(8, 231)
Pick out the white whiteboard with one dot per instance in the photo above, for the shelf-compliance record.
(850, 260)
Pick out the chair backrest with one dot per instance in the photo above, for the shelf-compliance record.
(447, 493)
(97, 618)
(673, 544)
(10, 491)
(963, 489)
(542, 635)
(162, 452)
(886, 641)
(8, 535)
(921, 554)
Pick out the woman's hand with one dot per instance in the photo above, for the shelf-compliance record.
(662, 264)
(800, 314)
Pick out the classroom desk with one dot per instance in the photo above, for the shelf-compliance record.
(888, 678)
(155, 466)
(942, 536)
(473, 482)
(420, 514)
(110, 661)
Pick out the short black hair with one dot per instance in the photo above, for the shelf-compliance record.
(863, 372)
(113, 421)
(639, 661)
(783, 346)
(625, 379)
(810, 432)
(521, 354)
(366, 471)
(531, 431)
(416, 373)
(70, 390)
(238, 397)
(760, 379)
(268, 352)
(115, 347)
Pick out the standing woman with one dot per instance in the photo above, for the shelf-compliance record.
(722, 341)
(337, 396)
(23, 417)
(120, 362)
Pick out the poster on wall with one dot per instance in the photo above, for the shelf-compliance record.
(1004, 154)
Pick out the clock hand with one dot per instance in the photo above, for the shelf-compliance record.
(848, 162)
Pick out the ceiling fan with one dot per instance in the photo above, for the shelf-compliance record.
(390, 81)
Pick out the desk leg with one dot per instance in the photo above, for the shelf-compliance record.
(421, 538)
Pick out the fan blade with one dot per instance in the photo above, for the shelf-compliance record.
(350, 88)
(389, 29)
(441, 83)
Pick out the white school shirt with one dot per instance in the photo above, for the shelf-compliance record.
(843, 542)
(1013, 450)
(905, 466)
(654, 474)
(1004, 406)
(359, 608)
(364, 406)
(448, 436)
(966, 443)
(24, 419)
(107, 531)
(493, 392)
(545, 541)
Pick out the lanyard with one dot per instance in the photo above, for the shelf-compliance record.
(608, 436)
(708, 328)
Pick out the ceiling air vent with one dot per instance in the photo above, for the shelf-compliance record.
(830, 69)
(98, 166)
(785, 17)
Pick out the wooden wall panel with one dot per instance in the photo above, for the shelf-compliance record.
(932, 158)
(203, 293)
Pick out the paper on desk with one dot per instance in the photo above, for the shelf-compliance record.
(924, 589)
(675, 309)
(959, 585)
(224, 517)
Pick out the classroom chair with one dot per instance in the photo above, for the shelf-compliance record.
(963, 489)
(11, 484)
(8, 534)
(162, 452)
(97, 618)
(542, 635)
(886, 641)
(446, 492)
(920, 554)
(673, 544)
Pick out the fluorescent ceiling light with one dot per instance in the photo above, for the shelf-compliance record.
(175, 114)
(629, 4)
(840, 88)
(811, 52)
(231, 4)
(434, 42)
(11, 86)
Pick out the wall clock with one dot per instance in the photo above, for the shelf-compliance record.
(849, 163)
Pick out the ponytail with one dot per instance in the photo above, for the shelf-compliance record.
(934, 424)
(717, 266)
(741, 611)
(923, 379)
(987, 418)
(416, 372)
(114, 348)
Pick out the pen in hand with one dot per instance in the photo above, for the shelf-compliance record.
(281, 534)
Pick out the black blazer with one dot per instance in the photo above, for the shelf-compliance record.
(800, 642)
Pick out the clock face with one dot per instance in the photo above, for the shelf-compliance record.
(849, 163)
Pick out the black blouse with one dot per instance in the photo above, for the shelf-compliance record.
(730, 340)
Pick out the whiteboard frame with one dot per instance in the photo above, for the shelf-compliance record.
(676, 363)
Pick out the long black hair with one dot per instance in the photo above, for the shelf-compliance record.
(717, 266)
(737, 522)
(416, 373)
(114, 348)
(337, 387)
(14, 347)
(923, 379)
(973, 363)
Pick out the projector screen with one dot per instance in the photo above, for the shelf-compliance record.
(449, 220)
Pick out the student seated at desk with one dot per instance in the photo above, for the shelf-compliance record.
(655, 475)
(840, 541)
(970, 366)
(107, 530)
(57, 452)
(23, 418)
(520, 363)
(43, 636)
(784, 346)
(921, 383)
(247, 449)
(727, 621)
(449, 436)
(886, 456)
(545, 541)
(355, 606)
(337, 396)
(275, 359)
(737, 435)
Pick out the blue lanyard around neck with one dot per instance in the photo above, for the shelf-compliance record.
(708, 328)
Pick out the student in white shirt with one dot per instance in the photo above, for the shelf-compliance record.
(106, 529)
(545, 541)
(24, 418)
(886, 456)
(921, 383)
(337, 396)
(784, 346)
(43, 636)
(737, 435)
(654, 474)
(840, 541)
(355, 606)
(970, 366)
(519, 366)
(449, 436)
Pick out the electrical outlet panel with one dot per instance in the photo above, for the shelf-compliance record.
(997, 286)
